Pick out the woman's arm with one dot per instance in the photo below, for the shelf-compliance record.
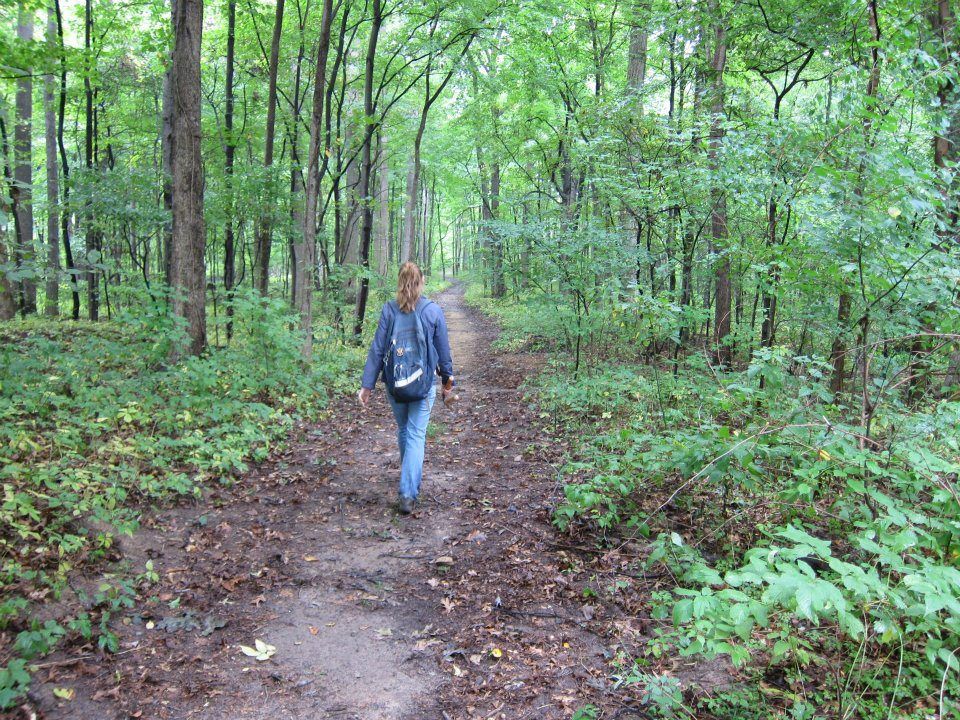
(371, 371)
(442, 345)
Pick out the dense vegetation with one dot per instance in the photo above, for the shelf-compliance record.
(732, 227)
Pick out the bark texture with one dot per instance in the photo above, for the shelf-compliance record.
(188, 242)
(23, 172)
(304, 251)
(52, 299)
(723, 352)
(264, 240)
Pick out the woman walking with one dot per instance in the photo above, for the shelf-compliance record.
(410, 346)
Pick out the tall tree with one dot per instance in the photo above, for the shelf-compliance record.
(8, 290)
(166, 162)
(723, 351)
(792, 71)
(383, 205)
(23, 170)
(366, 165)
(293, 136)
(230, 147)
(72, 276)
(304, 252)
(52, 300)
(639, 39)
(838, 350)
(94, 257)
(430, 96)
(264, 239)
(187, 271)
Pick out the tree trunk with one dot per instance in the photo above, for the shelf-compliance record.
(428, 211)
(93, 238)
(410, 208)
(637, 63)
(8, 293)
(349, 249)
(8, 302)
(296, 167)
(187, 251)
(261, 262)
(686, 282)
(65, 215)
(768, 326)
(413, 177)
(229, 254)
(52, 304)
(23, 171)
(838, 351)
(166, 155)
(497, 285)
(304, 251)
(383, 208)
(366, 163)
(723, 351)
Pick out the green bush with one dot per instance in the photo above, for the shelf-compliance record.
(848, 547)
(95, 423)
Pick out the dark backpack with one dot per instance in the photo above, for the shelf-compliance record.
(406, 363)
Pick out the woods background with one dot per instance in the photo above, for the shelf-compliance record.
(732, 226)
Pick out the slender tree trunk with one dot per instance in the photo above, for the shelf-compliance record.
(767, 327)
(723, 351)
(166, 155)
(349, 251)
(229, 254)
(482, 234)
(428, 211)
(188, 246)
(637, 61)
(366, 164)
(73, 278)
(8, 292)
(23, 171)
(413, 176)
(261, 270)
(8, 302)
(304, 251)
(52, 300)
(838, 351)
(686, 282)
(497, 285)
(410, 208)
(383, 207)
(93, 238)
(296, 167)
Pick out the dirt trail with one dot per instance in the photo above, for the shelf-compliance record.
(464, 609)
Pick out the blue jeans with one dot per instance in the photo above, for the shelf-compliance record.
(412, 419)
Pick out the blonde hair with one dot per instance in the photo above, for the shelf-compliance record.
(409, 286)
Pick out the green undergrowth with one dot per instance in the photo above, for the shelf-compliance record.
(96, 426)
(821, 560)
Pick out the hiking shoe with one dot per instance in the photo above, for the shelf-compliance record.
(406, 505)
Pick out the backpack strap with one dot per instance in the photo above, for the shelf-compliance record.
(422, 304)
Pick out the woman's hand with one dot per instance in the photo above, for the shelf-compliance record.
(446, 389)
(364, 396)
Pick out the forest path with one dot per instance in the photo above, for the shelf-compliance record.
(461, 610)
